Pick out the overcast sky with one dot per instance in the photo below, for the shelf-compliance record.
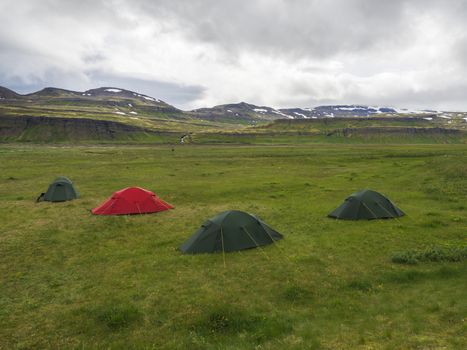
(194, 53)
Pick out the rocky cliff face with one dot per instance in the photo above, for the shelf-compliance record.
(28, 128)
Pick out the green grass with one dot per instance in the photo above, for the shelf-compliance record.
(252, 137)
(431, 254)
(71, 280)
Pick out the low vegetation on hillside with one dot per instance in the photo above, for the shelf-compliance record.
(118, 115)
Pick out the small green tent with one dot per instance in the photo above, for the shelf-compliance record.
(366, 205)
(230, 231)
(60, 190)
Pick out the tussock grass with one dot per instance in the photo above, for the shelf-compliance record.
(298, 294)
(416, 276)
(360, 285)
(226, 319)
(433, 254)
(116, 314)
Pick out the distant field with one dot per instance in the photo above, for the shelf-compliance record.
(70, 280)
(358, 136)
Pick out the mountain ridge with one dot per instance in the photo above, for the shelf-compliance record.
(290, 113)
(102, 92)
(136, 107)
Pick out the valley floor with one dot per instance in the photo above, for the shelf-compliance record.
(69, 279)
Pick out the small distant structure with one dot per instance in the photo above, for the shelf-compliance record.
(186, 138)
(61, 190)
(132, 200)
(366, 205)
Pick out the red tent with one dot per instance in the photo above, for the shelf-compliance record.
(132, 200)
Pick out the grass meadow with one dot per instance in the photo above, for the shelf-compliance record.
(71, 280)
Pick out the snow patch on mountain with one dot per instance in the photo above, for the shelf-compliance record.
(283, 114)
(113, 90)
(301, 115)
(150, 98)
(146, 97)
(347, 108)
(413, 111)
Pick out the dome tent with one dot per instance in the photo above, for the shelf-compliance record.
(60, 190)
(366, 205)
(132, 200)
(230, 231)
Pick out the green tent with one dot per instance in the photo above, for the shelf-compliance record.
(60, 190)
(366, 204)
(230, 231)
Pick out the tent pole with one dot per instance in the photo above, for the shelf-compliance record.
(392, 216)
(371, 211)
(138, 208)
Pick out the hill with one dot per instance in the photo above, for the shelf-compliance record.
(145, 115)
(380, 129)
(249, 113)
(240, 113)
(46, 129)
(106, 103)
(8, 94)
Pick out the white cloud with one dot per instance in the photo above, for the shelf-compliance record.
(201, 53)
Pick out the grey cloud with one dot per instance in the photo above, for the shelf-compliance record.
(431, 97)
(51, 77)
(177, 94)
(297, 28)
(94, 57)
(317, 28)
(303, 34)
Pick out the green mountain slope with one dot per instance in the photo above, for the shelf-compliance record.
(114, 114)
(109, 104)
